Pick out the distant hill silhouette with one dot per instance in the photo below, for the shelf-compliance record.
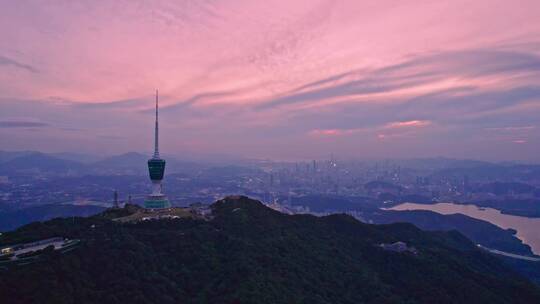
(39, 162)
(9, 155)
(500, 188)
(131, 163)
(13, 219)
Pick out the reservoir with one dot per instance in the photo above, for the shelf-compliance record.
(528, 229)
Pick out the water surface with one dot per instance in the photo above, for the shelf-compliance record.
(528, 229)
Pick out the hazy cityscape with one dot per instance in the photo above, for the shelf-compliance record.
(319, 187)
(33, 178)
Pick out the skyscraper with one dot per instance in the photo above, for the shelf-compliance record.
(156, 169)
(115, 202)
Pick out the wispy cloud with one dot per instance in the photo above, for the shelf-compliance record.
(385, 130)
(408, 124)
(22, 124)
(512, 128)
(333, 132)
(115, 104)
(419, 72)
(10, 62)
(197, 98)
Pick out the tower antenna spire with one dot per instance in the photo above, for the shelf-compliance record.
(156, 135)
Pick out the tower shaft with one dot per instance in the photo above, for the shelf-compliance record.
(156, 130)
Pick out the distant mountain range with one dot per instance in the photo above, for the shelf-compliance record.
(36, 161)
(439, 163)
(28, 162)
(135, 163)
(248, 253)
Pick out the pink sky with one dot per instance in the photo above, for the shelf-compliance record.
(277, 79)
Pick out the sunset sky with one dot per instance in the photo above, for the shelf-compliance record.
(296, 79)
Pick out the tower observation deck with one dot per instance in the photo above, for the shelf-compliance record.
(156, 169)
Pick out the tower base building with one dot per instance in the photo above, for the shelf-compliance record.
(156, 202)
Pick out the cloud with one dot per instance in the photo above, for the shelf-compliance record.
(197, 98)
(388, 129)
(452, 106)
(333, 132)
(418, 72)
(115, 104)
(10, 62)
(331, 79)
(469, 112)
(408, 124)
(511, 129)
(472, 63)
(22, 124)
(350, 88)
(256, 77)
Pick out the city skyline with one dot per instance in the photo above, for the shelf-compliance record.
(276, 80)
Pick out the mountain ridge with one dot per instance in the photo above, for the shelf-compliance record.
(248, 253)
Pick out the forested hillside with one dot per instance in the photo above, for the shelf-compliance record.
(251, 254)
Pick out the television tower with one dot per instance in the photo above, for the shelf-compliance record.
(156, 169)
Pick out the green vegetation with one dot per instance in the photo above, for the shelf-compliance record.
(251, 254)
(479, 231)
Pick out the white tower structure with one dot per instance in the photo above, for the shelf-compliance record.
(156, 169)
